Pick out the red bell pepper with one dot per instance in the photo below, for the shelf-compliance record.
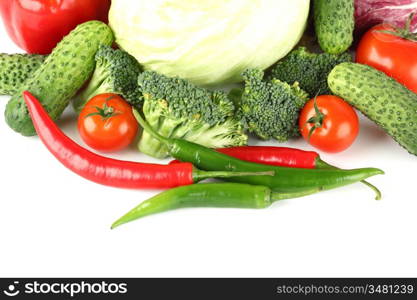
(37, 26)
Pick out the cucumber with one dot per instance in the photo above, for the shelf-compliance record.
(334, 22)
(62, 74)
(15, 69)
(379, 97)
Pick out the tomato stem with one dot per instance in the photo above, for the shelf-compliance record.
(404, 32)
(106, 112)
(317, 119)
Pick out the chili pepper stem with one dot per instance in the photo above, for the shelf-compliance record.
(378, 194)
(323, 165)
(199, 175)
(320, 164)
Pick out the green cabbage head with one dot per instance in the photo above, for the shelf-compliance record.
(208, 42)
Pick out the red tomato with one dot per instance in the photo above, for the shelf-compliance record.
(106, 123)
(331, 125)
(393, 55)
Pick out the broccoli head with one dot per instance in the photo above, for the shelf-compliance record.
(176, 108)
(270, 108)
(310, 70)
(116, 72)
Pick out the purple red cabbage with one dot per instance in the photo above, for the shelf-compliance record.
(396, 12)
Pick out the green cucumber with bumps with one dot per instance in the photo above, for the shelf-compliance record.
(379, 97)
(334, 22)
(15, 69)
(62, 74)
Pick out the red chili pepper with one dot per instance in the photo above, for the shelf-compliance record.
(113, 172)
(37, 26)
(276, 156)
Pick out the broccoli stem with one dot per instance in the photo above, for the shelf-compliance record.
(148, 144)
(152, 147)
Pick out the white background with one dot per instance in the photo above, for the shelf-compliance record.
(54, 223)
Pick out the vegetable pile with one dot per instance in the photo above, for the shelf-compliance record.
(150, 88)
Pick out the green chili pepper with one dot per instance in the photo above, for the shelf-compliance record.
(232, 195)
(284, 180)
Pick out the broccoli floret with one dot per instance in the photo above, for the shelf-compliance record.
(270, 108)
(310, 70)
(116, 72)
(176, 108)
